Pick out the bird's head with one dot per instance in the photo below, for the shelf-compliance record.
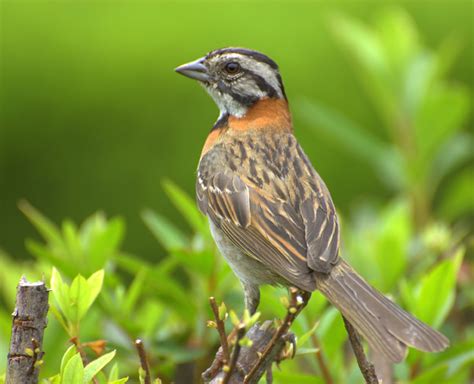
(236, 78)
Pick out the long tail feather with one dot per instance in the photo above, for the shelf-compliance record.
(387, 328)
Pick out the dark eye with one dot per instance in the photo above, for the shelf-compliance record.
(232, 67)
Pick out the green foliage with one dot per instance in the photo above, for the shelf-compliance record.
(423, 113)
(76, 299)
(413, 245)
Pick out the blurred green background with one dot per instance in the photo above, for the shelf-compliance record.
(93, 118)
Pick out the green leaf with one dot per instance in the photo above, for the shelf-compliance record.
(104, 240)
(44, 226)
(134, 291)
(118, 381)
(332, 334)
(70, 352)
(72, 239)
(431, 375)
(352, 138)
(370, 61)
(79, 294)
(439, 283)
(114, 373)
(164, 231)
(451, 155)
(283, 377)
(391, 245)
(398, 37)
(186, 206)
(61, 293)
(442, 113)
(95, 282)
(95, 366)
(458, 198)
(73, 371)
(306, 336)
(198, 263)
(56, 379)
(306, 351)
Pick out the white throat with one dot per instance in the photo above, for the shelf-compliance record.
(225, 102)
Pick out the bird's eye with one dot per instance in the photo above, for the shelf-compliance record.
(232, 68)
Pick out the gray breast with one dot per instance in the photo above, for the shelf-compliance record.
(246, 268)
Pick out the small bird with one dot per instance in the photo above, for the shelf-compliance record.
(269, 211)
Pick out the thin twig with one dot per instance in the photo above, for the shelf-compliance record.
(366, 368)
(220, 330)
(321, 362)
(235, 354)
(143, 360)
(294, 309)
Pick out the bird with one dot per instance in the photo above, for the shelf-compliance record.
(270, 213)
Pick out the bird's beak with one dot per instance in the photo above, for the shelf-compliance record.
(195, 70)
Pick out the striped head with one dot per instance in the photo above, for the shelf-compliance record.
(236, 78)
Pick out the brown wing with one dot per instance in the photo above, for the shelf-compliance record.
(322, 236)
(268, 230)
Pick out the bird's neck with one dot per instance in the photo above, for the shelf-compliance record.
(272, 115)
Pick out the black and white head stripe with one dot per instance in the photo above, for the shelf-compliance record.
(257, 56)
(254, 76)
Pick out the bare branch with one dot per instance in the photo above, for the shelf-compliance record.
(321, 362)
(29, 322)
(297, 303)
(366, 368)
(143, 360)
(235, 354)
(220, 330)
(260, 336)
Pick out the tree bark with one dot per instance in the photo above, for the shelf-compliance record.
(261, 335)
(29, 322)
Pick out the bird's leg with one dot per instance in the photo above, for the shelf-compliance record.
(252, 300)
(298, 300)
(252, 297)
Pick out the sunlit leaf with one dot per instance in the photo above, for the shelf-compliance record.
(70, 352)
(73, 371)
(95, 366)
(61, 293)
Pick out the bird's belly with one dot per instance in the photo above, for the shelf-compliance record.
(246, 268)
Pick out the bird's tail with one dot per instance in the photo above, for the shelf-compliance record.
(387, 328)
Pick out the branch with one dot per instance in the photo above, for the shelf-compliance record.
(235, 354)
(297, 303)
(366, 368)
(29, 322)
(266, 344)
(321, 362)
(221, 330)
(143, 360)
(260, 335)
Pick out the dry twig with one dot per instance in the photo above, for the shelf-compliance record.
(297, 303)
(235, 354)
(366, 368)
(321, 362)
(143, 360)
(221, 330)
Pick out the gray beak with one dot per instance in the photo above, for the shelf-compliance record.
(194, 70)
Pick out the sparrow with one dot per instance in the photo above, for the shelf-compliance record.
(269, 211)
